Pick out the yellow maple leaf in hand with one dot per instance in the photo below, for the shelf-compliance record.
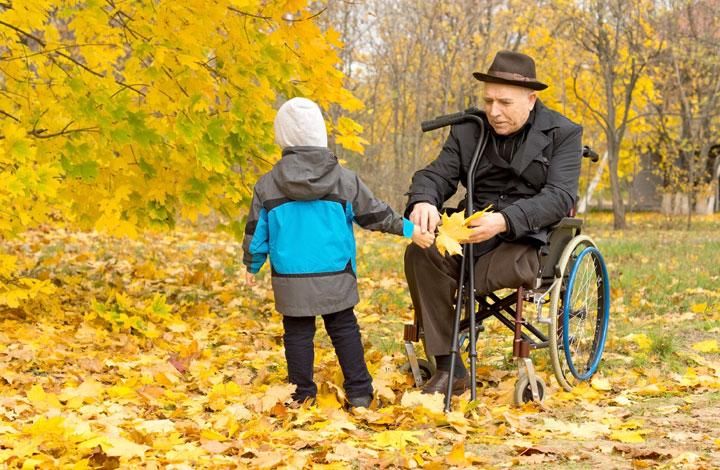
(477, 215)
(454, 230)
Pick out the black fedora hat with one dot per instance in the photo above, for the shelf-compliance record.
(512, 68)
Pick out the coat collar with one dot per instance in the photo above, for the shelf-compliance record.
(536, 140)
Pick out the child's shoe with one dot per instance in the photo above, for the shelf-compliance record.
(358, 402)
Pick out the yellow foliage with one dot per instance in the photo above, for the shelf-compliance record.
(434, 403)
(642, 340)
(104, 128)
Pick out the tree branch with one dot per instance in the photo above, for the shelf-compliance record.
(49, 51)
(4, 113)
(67, 57)
(40, 133)
(244, 13)
(269, 18)
(596, 114)
(173, 78)
(24, 33)
(292, 50)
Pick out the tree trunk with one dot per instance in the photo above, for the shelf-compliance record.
(682, 204)
(617, 199)
(666, 206)
(705, 204)
(716, 184)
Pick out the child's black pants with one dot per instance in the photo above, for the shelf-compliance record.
(343, 329)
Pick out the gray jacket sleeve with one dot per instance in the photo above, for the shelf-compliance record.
(373, 214)
(256, 244)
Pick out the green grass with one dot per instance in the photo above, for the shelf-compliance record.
(660, 271)
(663, 344)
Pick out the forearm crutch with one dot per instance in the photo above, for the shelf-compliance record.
(468, 255)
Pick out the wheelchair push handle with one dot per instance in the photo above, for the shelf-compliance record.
(587, 152)
(448, 120)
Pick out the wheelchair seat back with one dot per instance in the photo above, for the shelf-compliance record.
(560, 235)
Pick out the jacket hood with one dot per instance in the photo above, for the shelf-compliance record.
(299, 122)
(306, 173)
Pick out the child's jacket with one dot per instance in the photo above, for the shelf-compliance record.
(301, 215)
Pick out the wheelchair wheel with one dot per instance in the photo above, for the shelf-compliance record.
(579, 313)
(426, 369)
(523, 391)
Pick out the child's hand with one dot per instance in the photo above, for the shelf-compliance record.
(250, 279)
(423, 240)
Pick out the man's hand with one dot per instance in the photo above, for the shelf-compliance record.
(486, 227)
(423, 240)
(250, 279)
(426, 216)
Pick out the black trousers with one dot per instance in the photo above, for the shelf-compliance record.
(344, 332)
(433, 282)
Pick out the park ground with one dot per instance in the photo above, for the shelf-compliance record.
(152, 353)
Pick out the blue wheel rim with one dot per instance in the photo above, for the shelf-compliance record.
(591, 250)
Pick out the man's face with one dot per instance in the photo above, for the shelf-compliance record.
(507, 106)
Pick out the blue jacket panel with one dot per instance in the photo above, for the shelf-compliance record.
(311, 237)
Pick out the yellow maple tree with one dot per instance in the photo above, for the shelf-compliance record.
(121, 116)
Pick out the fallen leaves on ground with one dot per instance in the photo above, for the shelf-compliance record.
(152, 353)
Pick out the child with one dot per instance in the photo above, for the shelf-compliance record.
(301, 216)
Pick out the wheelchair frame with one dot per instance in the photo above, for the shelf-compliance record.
(559, 266)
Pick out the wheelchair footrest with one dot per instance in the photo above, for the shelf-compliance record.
(411, 333)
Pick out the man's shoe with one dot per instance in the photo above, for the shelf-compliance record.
(357, 402)
(439, 383)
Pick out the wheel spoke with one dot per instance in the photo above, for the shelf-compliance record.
(583, 298)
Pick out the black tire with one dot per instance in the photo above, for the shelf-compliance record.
(426, 369)
(523, 392)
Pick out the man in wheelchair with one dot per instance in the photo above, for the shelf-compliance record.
(528, 171)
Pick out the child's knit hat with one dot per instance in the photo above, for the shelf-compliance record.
(299, 122)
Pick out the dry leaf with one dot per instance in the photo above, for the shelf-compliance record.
(627, 436)
(707, 346)
(434, 402)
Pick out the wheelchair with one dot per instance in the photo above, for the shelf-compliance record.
(570, 296)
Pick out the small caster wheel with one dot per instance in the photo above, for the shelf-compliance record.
(523, 392)
(426, 370)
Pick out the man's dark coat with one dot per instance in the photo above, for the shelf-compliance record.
(543, 183)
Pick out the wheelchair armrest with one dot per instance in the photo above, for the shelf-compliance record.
(567, 222)
(560, 234)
